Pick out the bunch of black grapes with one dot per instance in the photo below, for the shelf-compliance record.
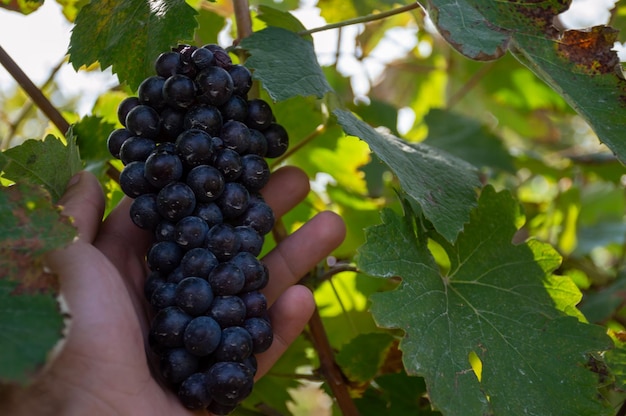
(194, 150)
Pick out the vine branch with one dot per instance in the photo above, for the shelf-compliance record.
(33, 92)
(361, 19)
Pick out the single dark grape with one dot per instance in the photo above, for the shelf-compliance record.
(260, 114)
(144, 121)
(228, 311)
(144, 213)
(164, 296)
(172, 123)
(191, 232)
(256, 304)
(153, 281)
(236, 108)
(177, 364)
(176, 201)
(258, 143)
(242, 79)
(233, 201)
(194, 147)
(226, 279)
(165, 231)
(116, 139)
(192, 392)
(223, 241)
(150, 92)
(202, 58)
(133, 182)
(253, 271)
(259, 216)
(236, 345)
(198, 262)
(136, 149)
(204, 117)
(163, 168)
(167, 327)
(209, 212)
(194, 295)
(236, 136)
(228, 162)
(202, 336)
(215, 86)
(251, 240)
(168, 64)
(255, 172)
(179, 91)
(164, 256)
(206, 182)
(229, 382)
(220, 56)
(124, 108)
(277, 140)
(261, 333)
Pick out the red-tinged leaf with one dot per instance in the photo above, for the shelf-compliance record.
(30, 226)
(580, 65)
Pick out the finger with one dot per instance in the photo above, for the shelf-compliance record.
(286, 188)
(83, 201)
(301, 251)
(289, 314)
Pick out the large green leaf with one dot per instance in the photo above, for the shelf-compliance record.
(443, 185)
(129, 35)
(487, 336)
(46, 162)
(286, 71)
(580, 65)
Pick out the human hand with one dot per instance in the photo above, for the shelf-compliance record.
(102, 368)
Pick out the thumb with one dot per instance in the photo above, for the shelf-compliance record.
(83, 201)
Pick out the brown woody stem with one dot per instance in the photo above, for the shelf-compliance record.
(33, 92)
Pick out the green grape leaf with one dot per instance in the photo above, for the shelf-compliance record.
(466, 29)
(31, 326)
(30, 319)
(395, 394)
(46, 162)
(92, 133)
(279, 18)
(467, 139)
(616, 359)
(580, 65)
(361, 358)
(286, 71)
(443, 185)
(487, 336)
(129, 35)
